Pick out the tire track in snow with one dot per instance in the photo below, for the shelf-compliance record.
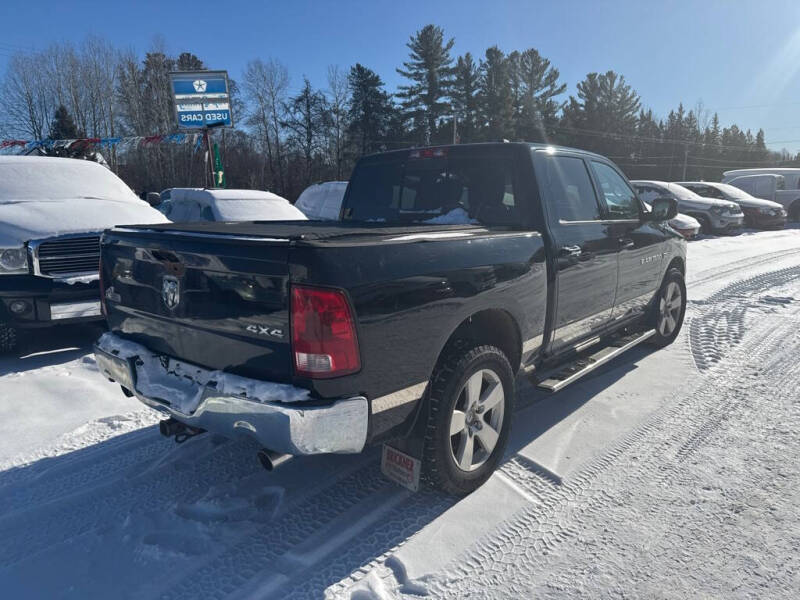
(549, 494)
(80, 475)
(26, 533)
(655, 451)
(720, 325)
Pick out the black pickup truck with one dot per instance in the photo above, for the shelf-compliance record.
(452, 269)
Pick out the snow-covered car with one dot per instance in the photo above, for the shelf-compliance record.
(52, 212)
(189, 205)
(322, 201)
(758, 213)
(715, 216)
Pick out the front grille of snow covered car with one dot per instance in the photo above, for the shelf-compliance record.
(66, 256)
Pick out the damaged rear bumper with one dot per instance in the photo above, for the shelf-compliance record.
(279, 416)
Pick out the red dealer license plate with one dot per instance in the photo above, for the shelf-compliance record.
(400, 467)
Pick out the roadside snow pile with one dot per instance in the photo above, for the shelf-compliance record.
(185, 386)
(457, 216)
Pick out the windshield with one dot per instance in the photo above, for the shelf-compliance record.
(431, 187)
(733, 192)
(59, 179)
(681, 193)
(257, 210)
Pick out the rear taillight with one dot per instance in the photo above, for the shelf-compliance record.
(324, 339)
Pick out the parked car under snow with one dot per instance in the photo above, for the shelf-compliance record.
(190, 205)
(322, 201)
(52, 212)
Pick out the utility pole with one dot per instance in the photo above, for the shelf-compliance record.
(455, 132)
(685, 159)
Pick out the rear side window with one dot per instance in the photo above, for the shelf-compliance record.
(708, 191)
(743, 184)
(568, 187)
(423, 187)
(620, 199)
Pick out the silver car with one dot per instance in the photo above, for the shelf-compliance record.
(715, 216)
(758, 213)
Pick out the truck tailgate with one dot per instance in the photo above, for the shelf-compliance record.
(219, 302)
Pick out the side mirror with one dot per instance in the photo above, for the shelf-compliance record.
(664, 209)
(153, 198)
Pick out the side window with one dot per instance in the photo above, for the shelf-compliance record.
(763, 186)
(207, 214)
(647, 193)
(568, 186)
(620, 199)
(743, 184)
(708, 191)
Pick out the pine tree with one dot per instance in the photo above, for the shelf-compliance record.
(496, 97)
(188, 62)
(536, 107)
(604, 114)
(465, 97)
(431, 74)
(370, 109)
(62, 127)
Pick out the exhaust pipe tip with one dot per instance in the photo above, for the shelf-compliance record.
(271, 460)
(170, 427)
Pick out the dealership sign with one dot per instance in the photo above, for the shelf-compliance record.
(202, 99)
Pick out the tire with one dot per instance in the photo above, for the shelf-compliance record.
(705, 225)
(8, 338)
(466, 379)
(794, 211)
(667, 321)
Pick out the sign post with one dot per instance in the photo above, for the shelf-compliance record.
(202, 102)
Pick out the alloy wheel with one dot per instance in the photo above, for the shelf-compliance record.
(477, 419)
(669, 309)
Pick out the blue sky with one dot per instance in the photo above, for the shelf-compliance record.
(741, 58)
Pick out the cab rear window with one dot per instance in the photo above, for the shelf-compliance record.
(436, 187)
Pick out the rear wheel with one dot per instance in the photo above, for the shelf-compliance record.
(669, 308)
(794, 211)
(470, 402)
(8, 338)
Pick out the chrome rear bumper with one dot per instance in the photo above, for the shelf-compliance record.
(279, 416)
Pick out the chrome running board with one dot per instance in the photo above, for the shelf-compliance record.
(564, 375)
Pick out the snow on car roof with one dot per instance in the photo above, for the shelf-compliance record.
(49, 178)
(209, 196)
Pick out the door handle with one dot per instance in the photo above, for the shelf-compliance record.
(570, 251)
(626, 243)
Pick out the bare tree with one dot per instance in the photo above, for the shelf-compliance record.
(29, 109)
(338, 103)
(265, 87)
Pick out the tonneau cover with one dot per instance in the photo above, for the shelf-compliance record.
(302, 230)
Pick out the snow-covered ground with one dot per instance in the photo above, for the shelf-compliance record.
(666, 474)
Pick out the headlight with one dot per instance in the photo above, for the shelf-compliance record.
(13, 260)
